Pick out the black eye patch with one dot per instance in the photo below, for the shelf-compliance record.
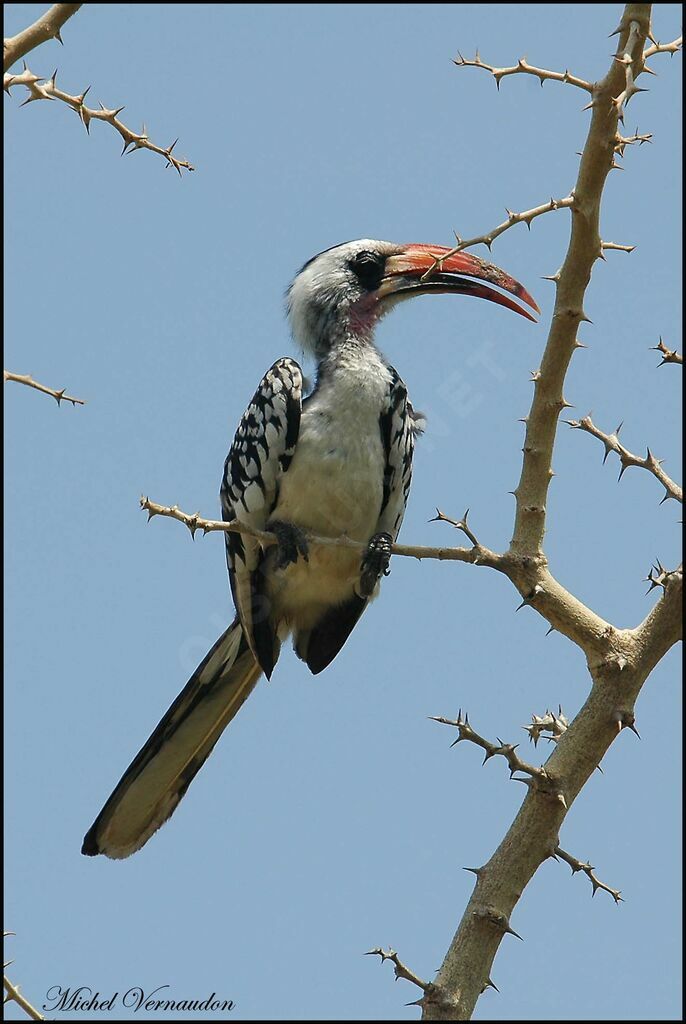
(368, 267)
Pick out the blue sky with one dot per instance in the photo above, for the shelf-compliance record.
(332, 816)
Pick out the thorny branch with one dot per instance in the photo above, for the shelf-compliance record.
(616, 246)
(523, 68)
(619, 660)
(526, 217)
(612, 443)
(42, 89)
(401, 971)
(195, 522)
(668, 355)
(555, 725)
(12, 993)
(48, 26)
(622, 141)
(588, 869)
(656, 47)
(59, 396)
(536, 777)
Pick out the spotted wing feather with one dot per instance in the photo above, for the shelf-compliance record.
(260, 454)
(399, 425)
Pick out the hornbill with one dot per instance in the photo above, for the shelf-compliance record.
(337, 462)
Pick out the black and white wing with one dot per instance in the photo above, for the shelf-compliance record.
(400, 425)
(260, 454)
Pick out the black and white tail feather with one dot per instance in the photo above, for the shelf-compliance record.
(152, 786)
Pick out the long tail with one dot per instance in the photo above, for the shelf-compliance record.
(159, 775)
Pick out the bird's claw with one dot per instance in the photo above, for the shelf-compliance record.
(292, 543)
(375, 562)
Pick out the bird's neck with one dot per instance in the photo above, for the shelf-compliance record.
(355, 359)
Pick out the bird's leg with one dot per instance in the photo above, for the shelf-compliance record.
(374, 563)
(292, 542)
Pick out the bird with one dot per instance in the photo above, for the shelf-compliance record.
(334, 462)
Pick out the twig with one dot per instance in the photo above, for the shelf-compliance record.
(670, 48)
(400, 969)
(459, 524)
(555, 725)
(660, 577)
(48, 26)
(588, 869)
(40, 89)
(13, 993)
(668, 355)
(622, 141)
(195, 522)
(536, 584)
(615, 245)
(59, 396)
(612, 444)
(523, 68)
(526, 217)
(537, 779)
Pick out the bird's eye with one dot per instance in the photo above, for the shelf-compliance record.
(368, 267)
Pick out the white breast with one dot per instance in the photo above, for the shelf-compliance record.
(334, 485)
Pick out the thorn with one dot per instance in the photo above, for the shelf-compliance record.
(538, 589)
(58, 37)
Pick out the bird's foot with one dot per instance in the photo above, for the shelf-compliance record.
(375, 562)
(292, 542)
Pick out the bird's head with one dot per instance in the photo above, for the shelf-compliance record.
(344, 291)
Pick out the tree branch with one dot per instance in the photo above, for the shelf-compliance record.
(400, 970)
(59, 396)
(612, 444)
(670, 48)
(617, 247)
(523, 68)
(526, 217)
(619, 661)
(588, 869)
(477, 555)
(12, 992)
(571, 283)
(40, 89)
(537, 776)
(535, 583)
(48, 26)
(533, 836)
(668, 355)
